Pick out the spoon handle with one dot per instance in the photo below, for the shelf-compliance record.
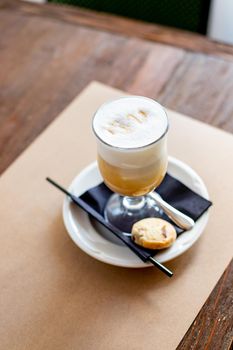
(180, 219)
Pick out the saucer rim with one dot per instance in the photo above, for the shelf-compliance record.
(133, 261)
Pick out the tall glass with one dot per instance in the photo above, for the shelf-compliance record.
(132, 173)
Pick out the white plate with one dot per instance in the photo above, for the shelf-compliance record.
(102, 244)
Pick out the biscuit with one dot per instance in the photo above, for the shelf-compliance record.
(153, 233)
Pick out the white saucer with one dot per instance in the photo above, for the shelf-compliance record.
(102, 244)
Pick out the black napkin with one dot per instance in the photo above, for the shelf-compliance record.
(172, 191)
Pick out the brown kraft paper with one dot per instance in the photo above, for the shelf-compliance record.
(53, 295)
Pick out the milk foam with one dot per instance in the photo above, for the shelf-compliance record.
(130, 122)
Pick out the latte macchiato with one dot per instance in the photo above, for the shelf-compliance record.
(132, 154)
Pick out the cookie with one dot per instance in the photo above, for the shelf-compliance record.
(153, 233)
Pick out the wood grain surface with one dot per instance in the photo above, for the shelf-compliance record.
(50, 53)
(126, 26)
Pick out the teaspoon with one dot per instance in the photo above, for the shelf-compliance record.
(180, 219)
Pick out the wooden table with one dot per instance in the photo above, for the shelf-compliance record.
(50, 53)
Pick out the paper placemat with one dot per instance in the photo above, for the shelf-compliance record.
(54, 296)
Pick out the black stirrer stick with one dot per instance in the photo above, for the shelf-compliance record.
(112, 228)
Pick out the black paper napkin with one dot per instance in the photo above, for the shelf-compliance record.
(172, 191)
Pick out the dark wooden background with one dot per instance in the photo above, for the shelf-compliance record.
(49, 53)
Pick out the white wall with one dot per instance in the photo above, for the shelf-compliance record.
(220, 25)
